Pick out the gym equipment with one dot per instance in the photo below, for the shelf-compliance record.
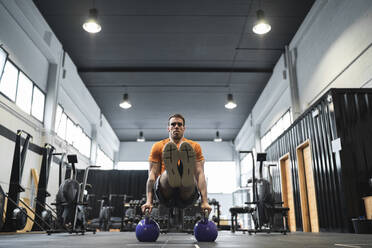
(234, 216)
(147, 230)
(71, 207)
(205, 230)
(264, 201)
(265, 207)
(106, 220)
(44, 215)
(2, 203)
(216, 209)
(16, 217)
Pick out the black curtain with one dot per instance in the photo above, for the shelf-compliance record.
(105, 182)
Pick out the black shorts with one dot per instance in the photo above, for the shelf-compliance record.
(175, 200)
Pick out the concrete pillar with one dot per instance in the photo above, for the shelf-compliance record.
(290, 64)
(94, 146)
(51, 99)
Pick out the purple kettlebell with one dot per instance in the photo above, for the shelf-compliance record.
(205, 230)
(147, 230)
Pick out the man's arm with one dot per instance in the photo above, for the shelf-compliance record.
(154, 171)
(201, 184)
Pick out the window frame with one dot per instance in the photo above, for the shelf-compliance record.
(288, 111)
(75, 126)
(102, 167)
(32, 92)
(6, 59)
(32, 101)
(16, 95)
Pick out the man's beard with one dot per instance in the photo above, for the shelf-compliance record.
(176, 135)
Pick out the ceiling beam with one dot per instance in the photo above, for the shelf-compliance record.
(172, 69)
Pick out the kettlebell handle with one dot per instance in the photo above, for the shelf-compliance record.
(205, 215)
(147, 216)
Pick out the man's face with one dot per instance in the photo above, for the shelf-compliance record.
(176, 128)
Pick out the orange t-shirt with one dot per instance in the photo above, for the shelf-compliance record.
(158, 147)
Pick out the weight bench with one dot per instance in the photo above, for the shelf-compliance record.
(234, 215)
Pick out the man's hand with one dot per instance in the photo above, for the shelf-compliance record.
(147, 205)
(205, 206)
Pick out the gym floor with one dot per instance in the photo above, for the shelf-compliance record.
(225, 239)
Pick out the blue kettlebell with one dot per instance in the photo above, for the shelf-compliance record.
(205, 230)
(147, 230)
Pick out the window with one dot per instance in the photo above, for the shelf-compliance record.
(24, 93)
(3, 56)
(276, 130)
(86, 144)
(72, 133)
(220, 177)
(57, 123)
(133, 165)
(104, 161)
(246, 165)
(61, 128)
(8, 84)
(38, 103)
(19, 88)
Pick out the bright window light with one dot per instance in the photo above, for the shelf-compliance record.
(38, 104)
(286, 120)
(104, 161)
(61, 130)
(59, 111)
(133, 165)
(24, 93)
(3, 56)
(70, 131)
(246, 165)
(217, 172)
(77, 136)
(85, 145)
(276, 130)
(8, 84)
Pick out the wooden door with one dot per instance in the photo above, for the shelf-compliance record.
(287, 190)
(309, 210)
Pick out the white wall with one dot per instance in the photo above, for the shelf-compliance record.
(33, 47)
(332, 49)
(273, 102)
(335, 50)
(22, 35)
(140, 151)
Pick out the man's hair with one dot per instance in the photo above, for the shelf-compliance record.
(176, 116)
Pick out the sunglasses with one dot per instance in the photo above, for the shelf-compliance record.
(173, 124)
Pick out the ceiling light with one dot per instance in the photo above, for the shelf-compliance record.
(230, 104)
(261, 26)
(217, 138)
(92, 25)
(141, 138)
(125, 104)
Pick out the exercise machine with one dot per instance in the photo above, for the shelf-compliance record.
(265, 206)
(16, 217)
(44, 212)
(70, 202)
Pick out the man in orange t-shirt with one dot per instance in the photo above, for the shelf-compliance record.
(176, 173)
